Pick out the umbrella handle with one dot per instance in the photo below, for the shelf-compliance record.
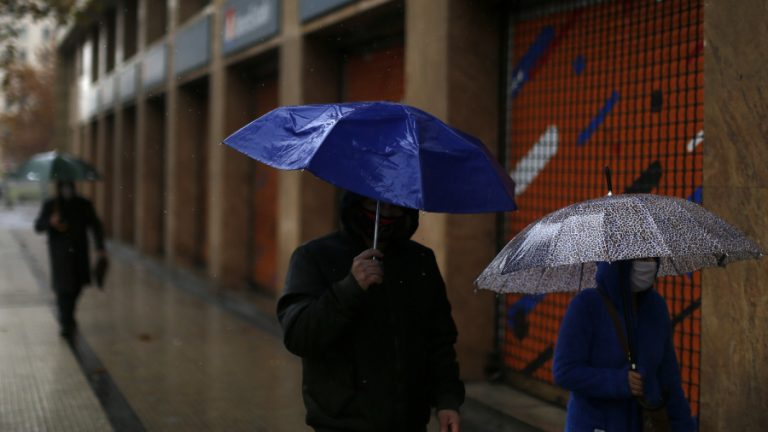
(608, 181)
(376, 226)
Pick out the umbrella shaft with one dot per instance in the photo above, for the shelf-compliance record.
(376, 225)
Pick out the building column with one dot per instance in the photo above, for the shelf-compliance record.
(118, 188)
(459, 41)
(143, 224)
(221, 249)
(734, 339)
(171, 138)
(306, 205)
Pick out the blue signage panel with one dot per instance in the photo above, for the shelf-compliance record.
(247, 22)
(192, 48)
(309, 9)
(128, 79)
(155, 66)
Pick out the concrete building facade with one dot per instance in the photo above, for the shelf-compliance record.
(556, 89)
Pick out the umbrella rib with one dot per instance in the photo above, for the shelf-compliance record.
(325, 136)
(412, 126)
(648, 216)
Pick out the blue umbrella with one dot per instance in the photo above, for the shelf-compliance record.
(386, 151)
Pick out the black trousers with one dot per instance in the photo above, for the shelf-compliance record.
(66, 300)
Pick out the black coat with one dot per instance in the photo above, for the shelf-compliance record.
(373, 360)
(70, 262)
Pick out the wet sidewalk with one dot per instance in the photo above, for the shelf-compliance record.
(162, 351)
(41, 384)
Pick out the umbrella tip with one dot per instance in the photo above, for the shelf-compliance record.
(608, 181)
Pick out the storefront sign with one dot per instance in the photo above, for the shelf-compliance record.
(247, 22)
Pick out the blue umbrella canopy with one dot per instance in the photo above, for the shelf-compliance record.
(386, 151)
(55, 166)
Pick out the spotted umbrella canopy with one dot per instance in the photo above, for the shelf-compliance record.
(559, 251)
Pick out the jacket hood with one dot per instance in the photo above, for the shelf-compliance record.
(611, 278)
(351, 202)
(614, 279)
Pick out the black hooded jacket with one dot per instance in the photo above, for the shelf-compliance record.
(373, 360)
(70, 262)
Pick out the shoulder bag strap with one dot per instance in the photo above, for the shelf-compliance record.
(616, 323)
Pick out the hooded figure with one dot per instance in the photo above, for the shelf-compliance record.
(591, 362)
(66, 219)
(375, 358)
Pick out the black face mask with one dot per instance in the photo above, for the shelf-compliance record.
(364, 221)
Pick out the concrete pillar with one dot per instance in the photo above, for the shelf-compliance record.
(218, 215)
(151, 183)
(142, 224)
(734, 394)
(171, 133)
(459, 42)
(305, 204)
(99, 141)
(118, 187)
(289, 183)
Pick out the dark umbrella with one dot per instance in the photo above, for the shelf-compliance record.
(55, 166)
(386, 151)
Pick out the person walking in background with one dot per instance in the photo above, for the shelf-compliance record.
(375, 336)
(66, 219)
(591, 355)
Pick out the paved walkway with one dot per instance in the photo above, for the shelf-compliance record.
(41, 385)
(161, 349)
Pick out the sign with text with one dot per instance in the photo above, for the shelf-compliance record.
(247, 22)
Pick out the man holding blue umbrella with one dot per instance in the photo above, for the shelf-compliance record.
(366, 307)
(375, 336)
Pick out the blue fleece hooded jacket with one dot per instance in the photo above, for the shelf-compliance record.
(591, 363)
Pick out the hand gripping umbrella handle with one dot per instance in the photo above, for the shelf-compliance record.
(608, 180)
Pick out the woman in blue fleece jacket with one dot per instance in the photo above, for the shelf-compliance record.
(590, 360)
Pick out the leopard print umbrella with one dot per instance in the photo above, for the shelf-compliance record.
(558, 252)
